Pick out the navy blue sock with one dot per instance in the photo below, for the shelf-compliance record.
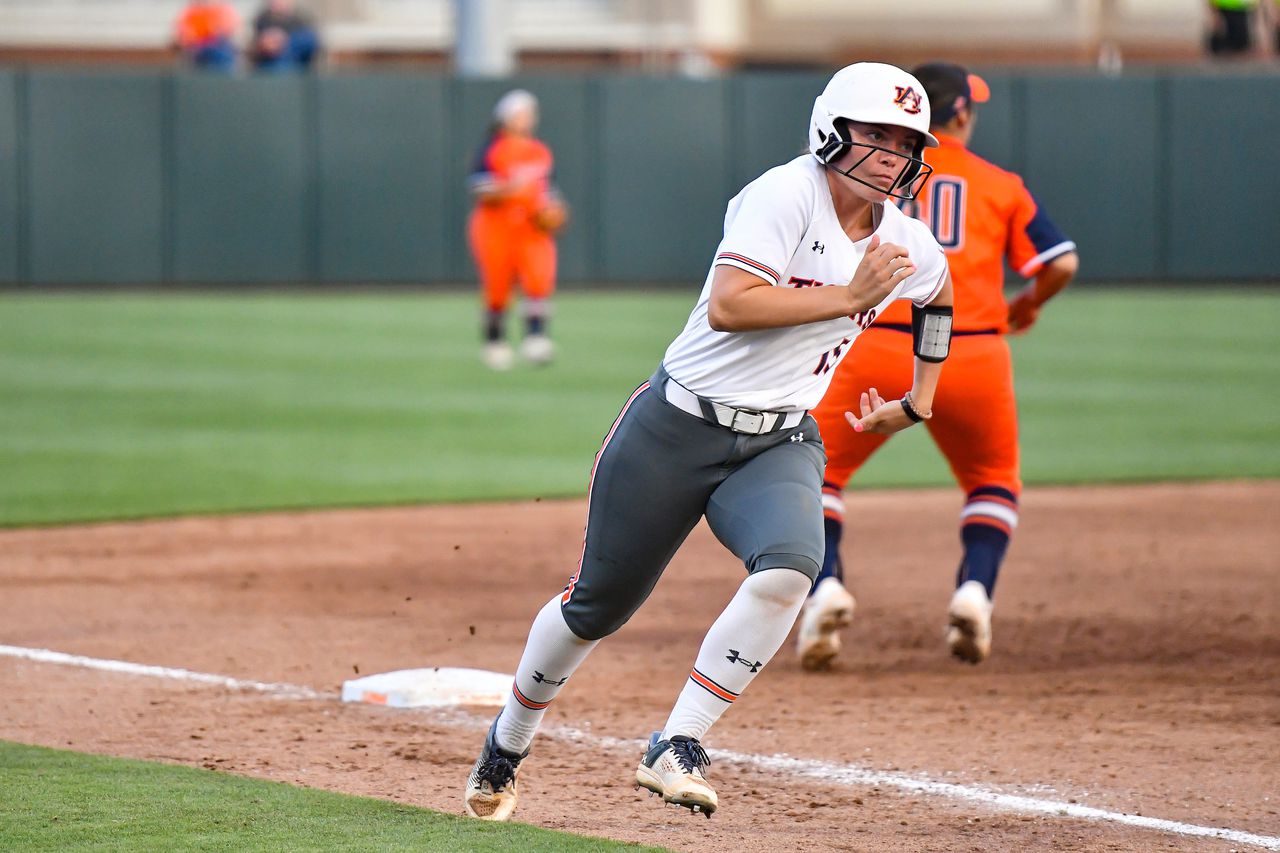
(984, 548)
(536, 324)
(493, 323)
(831, 565)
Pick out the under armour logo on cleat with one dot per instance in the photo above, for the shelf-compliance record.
(819, 248)
(733, 657)
(797, 437)
(542, 679)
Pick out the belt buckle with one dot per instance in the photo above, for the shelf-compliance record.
(745, 420)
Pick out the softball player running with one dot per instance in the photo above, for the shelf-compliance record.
(811, 255)
(981, 215)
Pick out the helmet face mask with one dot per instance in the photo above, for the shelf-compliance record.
(911, 177)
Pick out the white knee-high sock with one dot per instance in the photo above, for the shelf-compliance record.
(551, 655)
(745, 637)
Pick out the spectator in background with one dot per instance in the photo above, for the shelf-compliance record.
(1232, 29)
(205, 34)
(284, 38)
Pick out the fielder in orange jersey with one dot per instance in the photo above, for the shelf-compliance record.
(982, 216)
(513, 227)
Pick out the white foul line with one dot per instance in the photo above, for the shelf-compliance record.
(802, 768)
(285, 691)
(845, 774)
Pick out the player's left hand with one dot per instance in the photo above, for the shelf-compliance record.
(877, 415)
(1023, 312)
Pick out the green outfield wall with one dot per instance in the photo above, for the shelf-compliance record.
(151, 178)
(11, 185)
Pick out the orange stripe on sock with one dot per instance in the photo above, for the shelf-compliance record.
(989, 521)
(526, 701)
(712, 688)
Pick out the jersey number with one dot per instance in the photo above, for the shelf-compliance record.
(945, 211)
(829, 359)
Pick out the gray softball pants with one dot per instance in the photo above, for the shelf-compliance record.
(660, 470)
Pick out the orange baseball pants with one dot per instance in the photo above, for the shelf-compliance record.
(975, 418)
(504, 252)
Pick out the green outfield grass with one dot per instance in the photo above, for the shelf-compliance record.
(63, 801)
(121, 406)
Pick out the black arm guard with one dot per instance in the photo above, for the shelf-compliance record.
(931, 332)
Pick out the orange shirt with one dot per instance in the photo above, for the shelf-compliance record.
(982, 216)
(514, 158)
(201, 25)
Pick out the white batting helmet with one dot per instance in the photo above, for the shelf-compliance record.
(874, 93)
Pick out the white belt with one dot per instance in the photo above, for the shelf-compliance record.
(739, 420)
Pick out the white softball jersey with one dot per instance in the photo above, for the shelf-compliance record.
(783, 228)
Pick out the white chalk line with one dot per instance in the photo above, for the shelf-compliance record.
(801, 768)
(284, 691)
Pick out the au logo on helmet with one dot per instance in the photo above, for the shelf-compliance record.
(908, 99)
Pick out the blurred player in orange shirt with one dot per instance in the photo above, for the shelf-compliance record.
(512, 228)
(982, 216)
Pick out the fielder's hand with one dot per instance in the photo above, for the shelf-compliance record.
(1023, 311)
(882, 267)
(877, 415)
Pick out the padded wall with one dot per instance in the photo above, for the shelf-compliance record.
(666, 177)
(11, 178)
(1093, 162)
(383, 169)
(96, 177)
(243, 201)
(152, 178)
(1223, 185)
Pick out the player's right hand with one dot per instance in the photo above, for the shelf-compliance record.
(877, 415)
(1023, 311)
(882, 267)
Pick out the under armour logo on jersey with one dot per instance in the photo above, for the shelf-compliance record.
(542, 679)
(733, 657)
(798, 437)
(819, 248)
(908, 99)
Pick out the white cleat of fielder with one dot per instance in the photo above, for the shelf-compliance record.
(537, 349)
(829, 609)
(497, 355)
(969, 623)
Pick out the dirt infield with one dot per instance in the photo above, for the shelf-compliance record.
(1136, 666)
